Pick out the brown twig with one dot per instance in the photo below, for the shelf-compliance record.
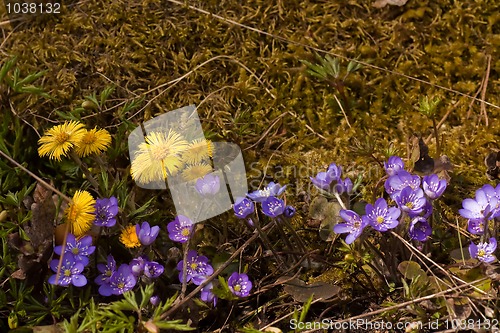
(467, 285)
(483, 91)
(40, 180)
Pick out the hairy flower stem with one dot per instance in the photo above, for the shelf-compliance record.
(382, 258)
(267, 243)
(299, 241)
(436, 135)
(185, 247)
(339, 199)
(85, 171)
(286, 240)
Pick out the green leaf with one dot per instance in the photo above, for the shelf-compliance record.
(7, 67)
(173, 325)
(105, 94)
(305, 309)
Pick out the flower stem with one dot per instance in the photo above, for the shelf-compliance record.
(85, 170)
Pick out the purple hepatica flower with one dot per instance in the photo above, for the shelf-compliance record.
(394, 165)
(137, 265)
(335, 170)
(239, 284)
(493, 197)
(146, 234)
(120, 281)
(484, 251)
(348, 185)
(243, 207)
(427, 209)
(105, 212)
(180, 229)
(272, 189)
(394, 184)
(80, 249)
(207, 295)
(381, 217)
(208, 185)
(410, 201)
(354, 225)
(433, 186)
(70, 273)
(420, 229)
(479, 208)
(476, 227)
(289, 211)
(273, 207)
(153, 269)
(155, 300)
(198, 268)
(323, 180)
(106, 271)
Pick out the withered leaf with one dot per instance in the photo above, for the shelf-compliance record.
(460, 307)
(34, 254)
(41, 226)
(383, 3)
(300, 291)
(492, 162)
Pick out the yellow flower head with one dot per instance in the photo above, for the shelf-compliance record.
(58, 140)
(93, 141)
(158, 157)
(198, 151)
(80, 213)
(129, 237)
(195, 171)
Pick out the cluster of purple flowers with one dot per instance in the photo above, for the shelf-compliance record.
(116, 281)
(485, 207)
(413, 197)
(74, 259)
(331, 181)
(479, 211)
(198, 267)
(113, 281)
(268, 197)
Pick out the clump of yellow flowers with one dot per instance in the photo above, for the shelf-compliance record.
(60, 139)
(166, 154)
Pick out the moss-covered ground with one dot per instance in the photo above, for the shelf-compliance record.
(241, 63)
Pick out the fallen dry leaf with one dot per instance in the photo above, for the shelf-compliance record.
(383, 3)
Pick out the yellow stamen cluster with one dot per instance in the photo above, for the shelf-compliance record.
(129, 237)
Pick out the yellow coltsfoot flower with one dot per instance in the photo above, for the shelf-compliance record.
(80, 213)
(198, 151)
(129, 237)
(58, 140)
(158, 157)
(196, 171)
(93, 141)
